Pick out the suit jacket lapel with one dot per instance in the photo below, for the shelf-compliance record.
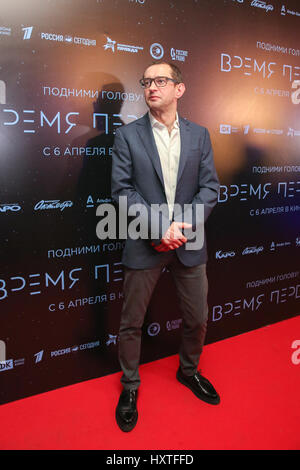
(184, 145)
(145, 132)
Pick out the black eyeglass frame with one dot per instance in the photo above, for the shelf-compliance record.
(154, 80)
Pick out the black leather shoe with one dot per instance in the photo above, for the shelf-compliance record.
(126, 412)
(200, 386)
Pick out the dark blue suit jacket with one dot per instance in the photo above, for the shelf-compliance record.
(137, 174)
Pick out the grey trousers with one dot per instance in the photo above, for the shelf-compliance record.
(192, 287)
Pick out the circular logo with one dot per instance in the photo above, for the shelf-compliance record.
(156, 50)
(153, 329)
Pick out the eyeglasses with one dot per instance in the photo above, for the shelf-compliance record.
(159, 81)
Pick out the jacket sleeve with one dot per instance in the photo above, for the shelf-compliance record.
(208, 188)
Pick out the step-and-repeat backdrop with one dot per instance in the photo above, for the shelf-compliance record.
(69, 72)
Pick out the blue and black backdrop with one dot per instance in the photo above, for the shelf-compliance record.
(69, 72)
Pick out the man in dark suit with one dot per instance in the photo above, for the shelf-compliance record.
(164, 160)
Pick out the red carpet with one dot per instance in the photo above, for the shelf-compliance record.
(254, 374)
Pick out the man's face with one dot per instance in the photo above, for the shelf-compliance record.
(162, 98)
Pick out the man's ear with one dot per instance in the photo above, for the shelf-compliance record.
(180, 89)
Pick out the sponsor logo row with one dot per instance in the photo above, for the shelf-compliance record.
(283, 190)
(156, 50)
(268, 7)
(51, 204)
(152, 330)
(246, 130)
(256, 250)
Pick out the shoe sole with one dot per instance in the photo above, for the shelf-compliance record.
(126, 427)
(211, 401)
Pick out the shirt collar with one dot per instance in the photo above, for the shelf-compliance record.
(156, 123)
